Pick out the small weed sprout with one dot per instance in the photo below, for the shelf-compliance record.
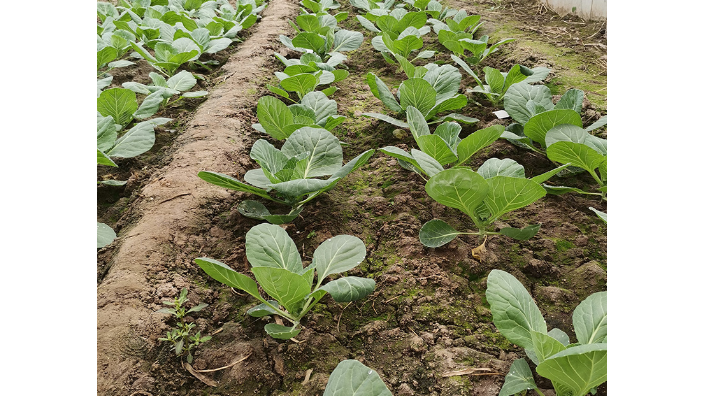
(180, 336)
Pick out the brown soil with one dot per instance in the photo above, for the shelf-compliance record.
(428, 315)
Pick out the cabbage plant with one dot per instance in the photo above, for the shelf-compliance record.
(279, 121)
(498, 187)
(290, 176)
(442, 147)
(303, 79)
(323, 6)
(278, 270)
(160, 92)
(432, 90)
(574, 369)
(324, 45)
(167, 57)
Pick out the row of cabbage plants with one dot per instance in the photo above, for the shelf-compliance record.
(170, 35)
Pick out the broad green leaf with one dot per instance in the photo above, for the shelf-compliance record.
(406, 45)
(334, 121)
(149, 106)
(300, 83)
(354, 164)
(311, 41)
(599, 213)
(428, 164)
(518, 379)
(495, 79)
(545, 346)
(538, 74)
(352, 378)
(416, 122)
(501, 167)
(263, 309)
(299, 187)
(449, 132)
(105, 235)
(139, 139)
(598, 124)
(325, 156)
(106, 55)
(320, 104)
(103, 159)
(182, 81)
(572, 100)
(137, 87)
(346, 40)
(466, 68)
(414, 19)
(522, 234)
(349, 288)
(436, 233)
(514, 311)
(507, 194)
(560, 336)
(436, 147)
(514, 76)
(283, 219)
(579, 369)
(224, 274)
(543, 177)
(571, 133)
(388, 119)
(457, 117)
(119, 103)
(538, 126)
(281, 332)
(270, 246)
(284, 286)
(518, 95)
(577, 154)
(418, 93)
(382, 92)
(458, 188)
(589, 319)
(274, 116)
(338, 254)
(454, 103)
(253, 209)
(477, 141)
(367, 24)
(268, 156)
(106, 133)
(226, 181)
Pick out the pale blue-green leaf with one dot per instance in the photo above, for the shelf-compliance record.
(518, 379)
(418, 93)
(458, 188)
(106, 133)
(453, 103)
(268, 156)
(521, 234)
(507, 194)
(115, 183)
(105, 235)
(257, 178)
(388, 119)
(428, 164)
(539, 74)
(149, 106)
(382, 92)
(226, 181)
(367, 24)
(320, 104)
(501, 167)
(543, 177)
(378, 44)
(270, 246)
(579, 369)
(139, 139)
(284, 286)
(338, 254)
(263, 309)
(572, 99)
(119, 103)
(281, 332)
(195, 94)
(346, 40)
(436, 233)
(416, 123)
(217, 45)
(284, 218)
(495, 79)
(349, 288)
(589, 319)
(354, 164)
(518, 95)
(325, 156)
(599, 213)
(449, 132)
(274, 116)
(226, 275)
(181, 81)
(598, 124)
(137, 87)
(300, 187)
(538, 126)
(352, 378)
(120, 63)
(457, 117)
(468, 146)
(514, 312)
(253, 209)
(560, 336)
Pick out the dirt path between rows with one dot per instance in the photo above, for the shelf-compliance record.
(169, 207)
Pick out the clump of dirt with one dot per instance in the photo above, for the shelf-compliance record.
(427, 318)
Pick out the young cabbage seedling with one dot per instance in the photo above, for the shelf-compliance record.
(324, 45)
(322, 7)
(169, 57)
(278, 269)
(160, 92)
(496, 188)
(574, 369)
(290, 176)
(400, 32)
(180, 336)
(279, 121)
(442, 147)
(303, 79)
